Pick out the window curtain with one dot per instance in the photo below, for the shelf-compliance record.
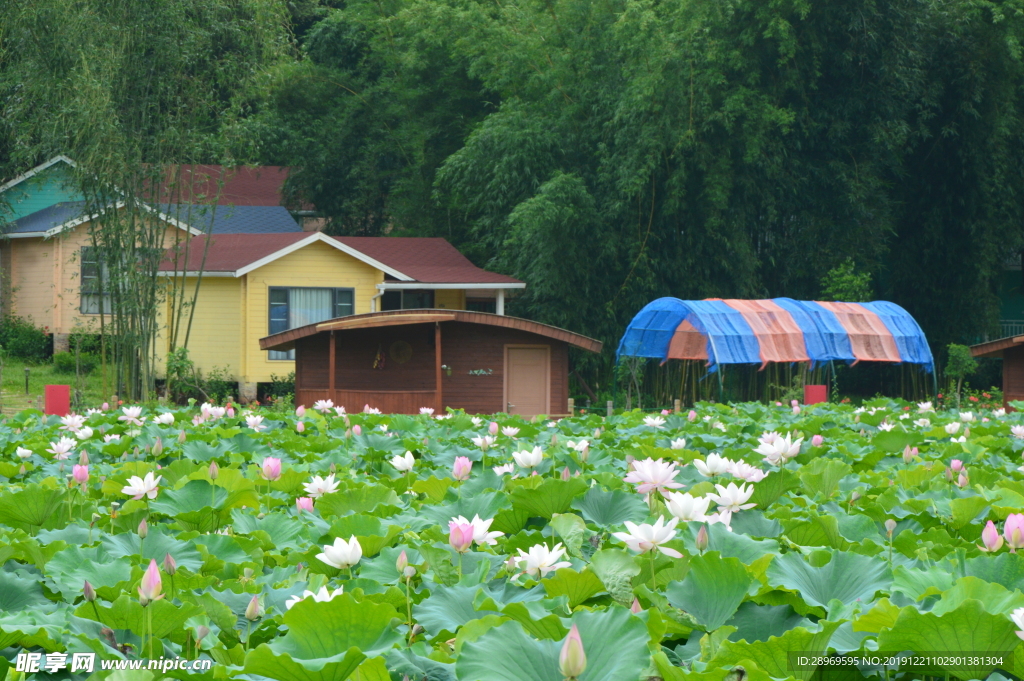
(305, 306)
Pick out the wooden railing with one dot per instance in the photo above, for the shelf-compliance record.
(388, 401)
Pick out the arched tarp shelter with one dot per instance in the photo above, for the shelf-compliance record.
(778, 330)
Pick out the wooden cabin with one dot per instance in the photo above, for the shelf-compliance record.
(402, 360)
(1011, 350)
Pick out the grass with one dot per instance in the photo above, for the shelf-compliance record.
(12, 385)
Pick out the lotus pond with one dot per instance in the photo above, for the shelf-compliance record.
(325, 546)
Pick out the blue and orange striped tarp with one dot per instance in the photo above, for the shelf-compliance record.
(777, 330)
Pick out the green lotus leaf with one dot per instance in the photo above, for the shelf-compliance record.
(712, 590)
(73, 566)
(31, 506)
(846, 577)
(773, 654)
(616, 569)
(610, 508)
(576, 586)
(551, 497)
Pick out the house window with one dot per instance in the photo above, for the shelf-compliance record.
(407, 300)
(294, 307)
(481, 305)
(95, 278)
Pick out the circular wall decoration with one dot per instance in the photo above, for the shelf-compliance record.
(401, 352)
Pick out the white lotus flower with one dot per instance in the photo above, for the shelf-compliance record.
(23, 453)
(317, 486)
(510, 431)
(323, 406)
(84, 433)
(952, 428)
(339, 411)
(164, 419)
(649, 475)
(342, 554)
(644, 538)
(744, 471)
(481, 535)
(686, 507)
(142, 487)
(886, 426)
(477, 421)
(111, 438)
(713, 465)
(131, 415)
(998, 413)
(654, 421)
(1018, 618)
(679, 443)
(723, 516)
(527, 458)
(768, 438)
(321, 596)
(1017, 432)
(484, 442)
(733, 498)
(503, 469)
(967, 417)
(61, 449)
(922, 423)
(429, 411)
(72, 422)
(780, 449)
(255, 421)
(404, 463)
(540, 560)
(923, 407)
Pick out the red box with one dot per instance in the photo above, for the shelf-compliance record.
(815, 394)
(58, 400)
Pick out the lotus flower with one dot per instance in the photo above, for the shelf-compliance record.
(744, 471)
(679, 443)
(164, 419)
(481, 534)
(952, 428)
(149, 589)
(686, 507)
(342, 554)
(817, 440)
(886, 426)
(300, 427)
(111, 438)
(462, 468)
(80, 474)
(323, 406)
(778, 449)
(339, 411)
(460, 536)
(367, 409)
(404, 463)
(357, 430)
(510, 431)
(317, 486)
(644, 538)
(654, 421)
(271, 468)
(990, 538)
(967, 417)
(503, 469)
(429, 411)
(23, 453)
(61, 449)
(998, 413)
(1018, 619)
(477, 421)
(255, 421)
(484, 442)
(956, 465)
(733, 498)
(713, 465)
(653, 475)
(142, 487)
(528, 458)
(253, 610)
(1017, 432)
(1013, 531)
(132, 415)
(300, 411)
(71, 422)
(321, 596)
(540, 560)
(304, 504)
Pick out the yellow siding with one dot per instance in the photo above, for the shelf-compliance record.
(450, 299)
(214, 340)
(316, 265)
(32, 289)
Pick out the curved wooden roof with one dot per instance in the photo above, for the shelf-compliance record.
(286, 339)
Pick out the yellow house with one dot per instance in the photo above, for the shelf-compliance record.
(259, 272)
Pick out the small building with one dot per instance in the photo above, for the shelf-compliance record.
(399, 361)
(1011, 350)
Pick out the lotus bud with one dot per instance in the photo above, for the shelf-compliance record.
(794, 403)
(460, 536)
(357, 430)
(252, 611)
(202, 631)
(817, 440)
(962, 481)
(304, 504)
(333, 468)
(402, 562)
(271, 468)
(890, 527)
(510, 564)
(143, 529)
(248, 573)
(629, 461)
(492, 428)
(214, 470)
(300, 427)
(554, 439)
(990, 538)
(299, 567)
(181, 437)
(158, 447)
(796, 410)
(80, 473)
(908, 454)
(231, 412)
(417, 629)
(565, 473)
(967, 432)
(462, 468)
(88, 592)
(409, 572)
(956, 465)
(635, 607)
(300, 411)
(702, 539)
(83, 459)
(105, 406)
(572, 661)
(22, 470)
(346, 420)
(170, 567)
(1013, 531)
(149, 590)
(949, 474)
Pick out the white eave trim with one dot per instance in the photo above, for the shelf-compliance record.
(405, 286)
(313, 238)
(35, 171)
(204, 275)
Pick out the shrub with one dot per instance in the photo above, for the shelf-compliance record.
(64, 362)
(24, 340)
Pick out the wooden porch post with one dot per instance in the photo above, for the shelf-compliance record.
(437, 364)
(330, 366)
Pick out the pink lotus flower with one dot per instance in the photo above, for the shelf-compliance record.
(817, 440)
(300, 427)
(692, 416)
(300, 411)
(572, 660)
(80, 474)
(650, 475)
(149, 589)
(462, 468)
(990, 538)
(796, 410)
(1013, 531)
(271, 468)
(105, 406)
(481, 529)
(956, 465)
(357, 430)
(231, 412)
(460, 536)
(492, 428)
(304, 504)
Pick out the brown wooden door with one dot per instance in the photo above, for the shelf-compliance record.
(527, 380)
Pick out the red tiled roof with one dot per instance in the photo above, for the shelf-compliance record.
(426, 260)
(229, 252)
(244, 186)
